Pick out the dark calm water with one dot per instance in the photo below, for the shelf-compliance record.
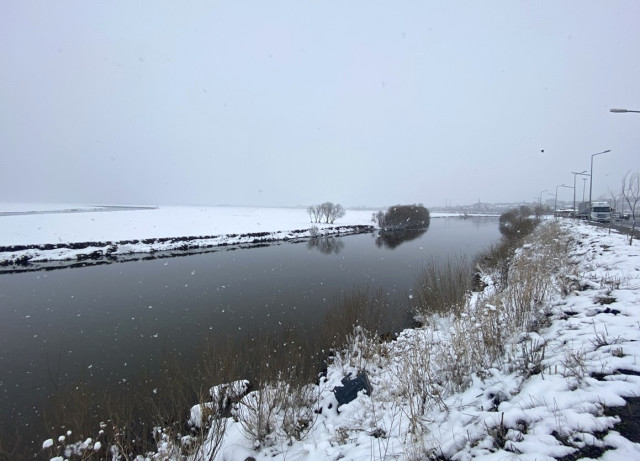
(111, 323)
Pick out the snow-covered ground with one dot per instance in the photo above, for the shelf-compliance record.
(66, 229)
(545, 398)
(161, 222)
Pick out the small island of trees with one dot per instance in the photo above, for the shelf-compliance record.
(403, 217)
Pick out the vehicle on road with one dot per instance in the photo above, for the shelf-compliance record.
(583, 211)
(594, 211)
(600, 212)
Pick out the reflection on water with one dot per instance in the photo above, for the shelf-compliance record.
(391, 239)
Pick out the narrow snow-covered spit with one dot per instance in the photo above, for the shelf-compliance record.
(89, 233)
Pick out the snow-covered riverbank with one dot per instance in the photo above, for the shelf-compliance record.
(554, 393)
(541, 381)
(32, 234)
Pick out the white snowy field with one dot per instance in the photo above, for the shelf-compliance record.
(546, 391)
(161, 222)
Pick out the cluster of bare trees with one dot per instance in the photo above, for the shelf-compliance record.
(326, 212)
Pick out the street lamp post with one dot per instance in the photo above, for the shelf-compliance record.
(584, 184)
(555, 205)
(540, 197)
(584, 173)
(591, 177)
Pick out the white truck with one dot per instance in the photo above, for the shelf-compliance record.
(594, 211)
(600, 212)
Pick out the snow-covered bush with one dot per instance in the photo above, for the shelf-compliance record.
(277, 410)
(256, 412)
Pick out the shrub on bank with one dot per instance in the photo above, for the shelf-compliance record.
(518, 223)
(403, 217)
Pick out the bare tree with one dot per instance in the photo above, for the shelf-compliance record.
(315, 213)
(539, 211)
(613, 201)
(326, 209)
(631, 194)
(312, 213)
(337, 212)
(378, 218)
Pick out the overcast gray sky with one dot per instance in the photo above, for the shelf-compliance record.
(298, 102)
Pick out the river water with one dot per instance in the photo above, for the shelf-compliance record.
(113, 323)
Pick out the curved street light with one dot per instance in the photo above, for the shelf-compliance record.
(583, 173)
(623, 111)
(591, 178)
(540, 197)
(555, 205)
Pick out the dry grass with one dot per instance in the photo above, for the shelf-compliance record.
(484, 330)
(538, 270)
(523, 273)
(362, 306)
(443, 286)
